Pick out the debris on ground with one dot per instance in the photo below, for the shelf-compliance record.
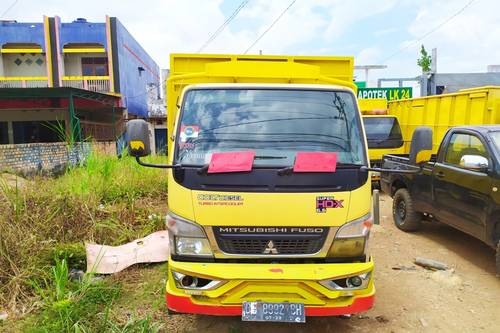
(104, 259)
(382, 319)
(13, 181)
(430, 263)
(76, 274)
(3, 316)
(423, 322)
(446, 277)
(400, 267)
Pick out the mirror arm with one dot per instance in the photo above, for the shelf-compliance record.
(160, 166)
(413, 172)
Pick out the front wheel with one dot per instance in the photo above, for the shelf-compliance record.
(405, 216)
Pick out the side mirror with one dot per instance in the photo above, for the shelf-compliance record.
(474, 162)
(421, 145)
(137, 132)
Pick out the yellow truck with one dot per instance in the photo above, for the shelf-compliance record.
(383, 132)
(269, 192)
(475, 106)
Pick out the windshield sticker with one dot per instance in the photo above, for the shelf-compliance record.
(186, 145)
(189, 131)
(323, 203)
(219, 200)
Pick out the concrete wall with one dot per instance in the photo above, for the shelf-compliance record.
(457, 81)
(73, 62)
(34, 158)
(82, 32)
(134, 84)
(11, 32)
(33, 115)
(23, 64)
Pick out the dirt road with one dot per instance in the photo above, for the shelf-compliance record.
(408, 300)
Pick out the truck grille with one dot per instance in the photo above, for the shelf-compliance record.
(270, 240)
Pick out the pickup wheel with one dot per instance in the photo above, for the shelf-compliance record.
(405, 217)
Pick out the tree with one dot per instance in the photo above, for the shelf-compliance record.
(425, 60)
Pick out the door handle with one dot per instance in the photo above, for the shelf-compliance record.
(440, 174)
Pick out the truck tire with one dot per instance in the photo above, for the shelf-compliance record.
(498, 259)
(405, 217)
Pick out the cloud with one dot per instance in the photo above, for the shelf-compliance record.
(368, 56)
(467, 43)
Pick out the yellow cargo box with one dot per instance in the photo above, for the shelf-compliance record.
(372, 105)
(476, 106)
(187, 69)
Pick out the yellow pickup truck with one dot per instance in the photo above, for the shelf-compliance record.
(269, 192)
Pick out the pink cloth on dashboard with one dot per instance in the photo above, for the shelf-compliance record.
(235, 161)
(315, 162)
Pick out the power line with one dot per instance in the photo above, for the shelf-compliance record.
(223, 25)
(428, 33)
(209, 40)
(270, 27)
(8, 9)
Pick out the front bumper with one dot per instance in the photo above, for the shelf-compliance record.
(269, 283)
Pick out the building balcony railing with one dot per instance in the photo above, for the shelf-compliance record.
(23, 82)
(98, 84)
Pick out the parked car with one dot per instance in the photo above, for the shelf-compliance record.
(459, 186)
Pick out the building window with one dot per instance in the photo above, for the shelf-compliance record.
(95, 66)
(4, 133)
(36, 131)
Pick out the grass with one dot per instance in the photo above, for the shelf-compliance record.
(44, 223)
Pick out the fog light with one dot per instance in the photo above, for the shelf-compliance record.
(354, 282)
(189, 281)
(184, 281)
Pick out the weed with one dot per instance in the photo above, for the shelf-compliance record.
(106, 201)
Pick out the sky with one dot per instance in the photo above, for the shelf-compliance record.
(387, 32)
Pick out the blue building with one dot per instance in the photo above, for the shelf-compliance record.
(89, 76)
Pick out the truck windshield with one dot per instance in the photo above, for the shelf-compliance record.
(383, 132)
(276, 124)
(496, 140)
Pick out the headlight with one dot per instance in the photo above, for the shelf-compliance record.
(352, 238)
(187, 238)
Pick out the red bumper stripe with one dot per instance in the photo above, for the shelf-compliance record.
(185, 305)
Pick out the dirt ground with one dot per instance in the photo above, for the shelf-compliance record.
(410, 299)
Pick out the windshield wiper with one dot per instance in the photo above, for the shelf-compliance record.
(204, 169)
(268, 157)
(289, 169)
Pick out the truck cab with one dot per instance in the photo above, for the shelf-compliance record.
(383, 132)
(384, 136)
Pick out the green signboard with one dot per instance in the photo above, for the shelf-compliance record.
(387, 93)
(360, 84)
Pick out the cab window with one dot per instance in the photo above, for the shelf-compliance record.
(463, 144)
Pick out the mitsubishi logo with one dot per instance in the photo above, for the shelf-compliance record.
(270, 249)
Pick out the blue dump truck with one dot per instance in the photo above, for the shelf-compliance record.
(459, 186)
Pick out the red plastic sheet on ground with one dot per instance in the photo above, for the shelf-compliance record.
(315, 162)
(235, 161)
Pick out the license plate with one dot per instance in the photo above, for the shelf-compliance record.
(266, 311)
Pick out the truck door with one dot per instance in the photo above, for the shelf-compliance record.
(462, 195)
